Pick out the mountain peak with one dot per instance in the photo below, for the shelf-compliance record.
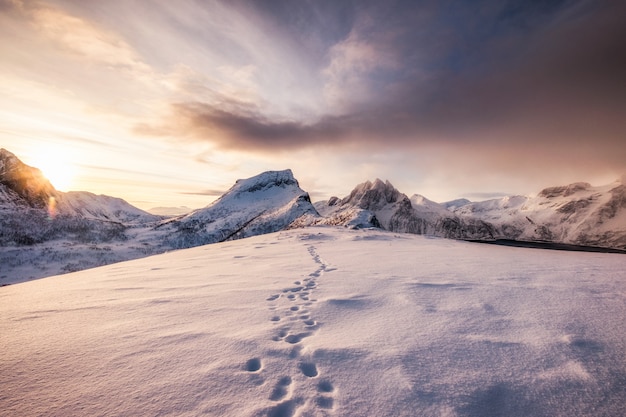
(370, 195)
(27, 182)
(265, 203)
(266, 180)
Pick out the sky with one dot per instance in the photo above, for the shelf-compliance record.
(168, 103)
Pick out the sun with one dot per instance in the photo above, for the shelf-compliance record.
(56, 166)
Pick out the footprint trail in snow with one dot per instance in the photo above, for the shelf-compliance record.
(293, 323)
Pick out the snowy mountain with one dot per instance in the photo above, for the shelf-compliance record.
(577, 214)
(391, 210)
(34, 212)
(101, 207)
(323, 321)
(45, 232)
(265, 203)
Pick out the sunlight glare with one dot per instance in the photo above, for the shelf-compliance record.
(56, 167)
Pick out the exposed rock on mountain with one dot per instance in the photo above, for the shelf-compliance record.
(22, 185)
(388, 208)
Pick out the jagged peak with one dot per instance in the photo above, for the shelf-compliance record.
(373, 194)
(4, 154)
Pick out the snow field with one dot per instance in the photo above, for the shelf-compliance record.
(322, 322)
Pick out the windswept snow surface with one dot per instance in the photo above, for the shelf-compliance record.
(322, 322)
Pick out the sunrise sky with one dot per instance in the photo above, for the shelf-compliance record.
(167, 103)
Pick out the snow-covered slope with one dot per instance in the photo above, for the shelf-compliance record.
(265, 203)
(170, 211)
(322, 322)
(47, 232)
(577, 213)
(101, 207)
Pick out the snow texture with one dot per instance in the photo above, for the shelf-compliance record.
(322, 322)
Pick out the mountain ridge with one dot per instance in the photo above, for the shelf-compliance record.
(60, 232)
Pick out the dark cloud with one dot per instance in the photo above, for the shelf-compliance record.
(499, 79)
(242, 128)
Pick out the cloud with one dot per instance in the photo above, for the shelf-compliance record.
(353, 63)
(77, 35)
(523, 86)
(240, 126)
(211, 193)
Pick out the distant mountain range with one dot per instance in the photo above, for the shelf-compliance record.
(46, 232)
(577, 214)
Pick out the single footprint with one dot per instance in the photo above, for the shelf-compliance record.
(295, 352)
(286, 408)
(294, 308)
(281, 334)
(324, 402)
(296, 338)
(325, 386)
(275, 318)
(308, 369)
(272, 297)
(281, 389)
(253, 365)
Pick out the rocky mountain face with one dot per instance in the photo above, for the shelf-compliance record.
(386, 207)
(22, 185)
(265, 203)
(574, 214)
